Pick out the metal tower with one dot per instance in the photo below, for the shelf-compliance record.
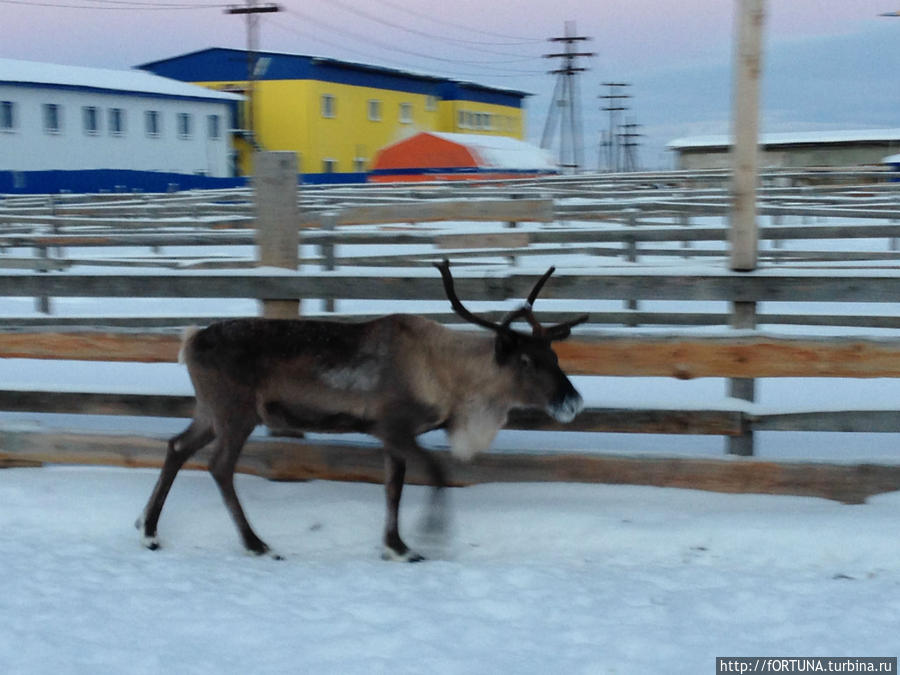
(565, 106)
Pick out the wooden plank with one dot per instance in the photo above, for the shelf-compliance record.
(293, 460)
(100, 239)
(674, 356)
(758, 356)
(868, 285)
(483, 210)
(488, 240)
(717, 422)
(198, 237)
(873, 421)
(97, 403)
(144, 347)
(640, 318)
(609, 420)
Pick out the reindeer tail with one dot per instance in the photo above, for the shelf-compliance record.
(186, 336)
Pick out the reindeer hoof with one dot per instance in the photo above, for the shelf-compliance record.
(151, 543)
(391, 555)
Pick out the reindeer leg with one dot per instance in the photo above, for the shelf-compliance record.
(394, 547)
(399, 447)
(181, 448)
(228, 448)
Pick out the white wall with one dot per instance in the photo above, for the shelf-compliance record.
(28, 147)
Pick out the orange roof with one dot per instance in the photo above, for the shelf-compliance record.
(425, 151)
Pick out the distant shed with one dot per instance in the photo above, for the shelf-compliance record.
(810, 149)
(452, 156)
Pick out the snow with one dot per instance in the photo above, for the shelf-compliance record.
(535, 579)
(847, 136)
(554, 578)
(36, 73)
(501, 152)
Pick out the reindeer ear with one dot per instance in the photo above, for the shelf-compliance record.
(562, 330)
(559, 333)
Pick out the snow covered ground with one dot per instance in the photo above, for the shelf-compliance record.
(536, 579)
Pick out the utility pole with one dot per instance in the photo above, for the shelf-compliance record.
(614, 107)
(252, 11)
(565, 104)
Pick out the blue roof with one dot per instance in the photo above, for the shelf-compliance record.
(218, 64)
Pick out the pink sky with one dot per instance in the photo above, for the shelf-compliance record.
(645, 33)
(633, 40)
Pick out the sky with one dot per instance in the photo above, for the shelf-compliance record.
(827, 65)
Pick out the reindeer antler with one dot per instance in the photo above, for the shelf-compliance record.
(444, 269)
(557, 332)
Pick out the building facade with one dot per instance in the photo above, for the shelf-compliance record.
(802, 149)
(337, 115)
(72, 118)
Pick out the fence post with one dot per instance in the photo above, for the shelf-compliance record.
(329, 223)
(743, 232)
(42, 302)
(743, 317)
(684, 220)
(631, 255)
(277, 221)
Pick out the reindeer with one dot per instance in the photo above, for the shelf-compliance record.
(393, 377)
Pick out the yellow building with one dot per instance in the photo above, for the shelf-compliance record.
(337, 115)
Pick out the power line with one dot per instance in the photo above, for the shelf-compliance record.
(368, 39)
(443, 22)
(139, 4)
(432, 36)
(344, 48)
(110, 5)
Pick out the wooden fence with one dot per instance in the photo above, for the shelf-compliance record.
(545, 224)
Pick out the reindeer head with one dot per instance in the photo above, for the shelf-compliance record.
(529, 359)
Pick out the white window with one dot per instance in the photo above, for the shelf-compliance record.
(185, 124)
(374, 110)
(116, 118)
(329, 106)
(90, 120)
(329, 165)
(152, 123)
(431, 103)
(7, 116)
(406, 113)
(213, 127)
(359, 164)
(52, 118)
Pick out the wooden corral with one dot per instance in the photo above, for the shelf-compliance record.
(637, 216)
